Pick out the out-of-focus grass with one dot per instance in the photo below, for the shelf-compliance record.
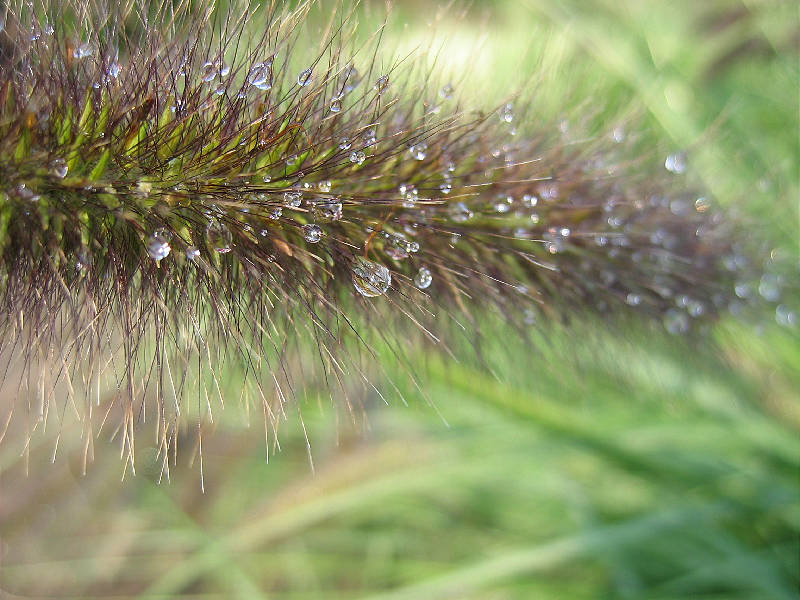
(586, 462)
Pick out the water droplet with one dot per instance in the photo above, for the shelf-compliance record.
(275, 213)
(370, 279)
(192, 253)
(370, 136)
(503, 203)
(58, 167)
(618, 135)
(158, 244)
(329, 209)
(324, 186)
(336, 104)
(312, 233)
(82, 50)
(260, 76)
(676, 163)
(304, 78)
(114, 69)
(676, 322)
(423, 279)
(633, 299)
(459, 212)
(702, 204)
(49, 29)
(743, 290)
(293, 199)
(213, 69)
(382, 84)
(446, 187)
(345, 143)
(349, 79)
(769, 287)
(695, 308)
(529, 200)
(219, 236)
(291, 160)
(507, 113)
(357, 157)
(419, 150)
(446, 92)
(785, 316)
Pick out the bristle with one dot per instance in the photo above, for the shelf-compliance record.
(184, 187)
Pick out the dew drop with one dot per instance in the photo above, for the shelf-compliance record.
(633, 299)
(357, 157)
(423, 279)
(329, 209)
(192, 253)
(695, 308)
(260, 76)
(769, 287)
(158, 245)
(382, 84)
(293, 199)
(370, 279)
(275, 213)
(503, 203)
(345, 143)
(304, 78)
(507, 113)
(82, 50)
(529, 201)
(460, 213)
(58, 167)
(446, 187)
(446, 92)
(676, 322)
(785, 316)
(336, 105)
(676, 163)
(312, 233)
(114, 69)
(419, 150)
(324, 186)
(219, 236)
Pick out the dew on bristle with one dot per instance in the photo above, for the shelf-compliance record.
(58, 167)
(336, 105)
(312, 233)
(786, 316)
(460, 212)
(446, 187)
(529, 200)
(633, 299)
(275, 213)
(82, 51)
(507, 113)
(158, 245)
(676, 163)
(503, 203)
(382, 84)
(345, 143)
(219, 236)
(769, 287)
(424, 278)
(210, 70)
(419, 150)
(446, 92)
(370, 279)
(324, 185)
(260, 76)
(192, 253)
(304, 78)
(676, 322)
(293, 199)
(357, 157)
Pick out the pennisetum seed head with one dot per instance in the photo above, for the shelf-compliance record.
(181, 187)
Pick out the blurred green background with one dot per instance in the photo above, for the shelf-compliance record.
(590, 462)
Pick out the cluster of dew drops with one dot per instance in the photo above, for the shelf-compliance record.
(370, 278)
